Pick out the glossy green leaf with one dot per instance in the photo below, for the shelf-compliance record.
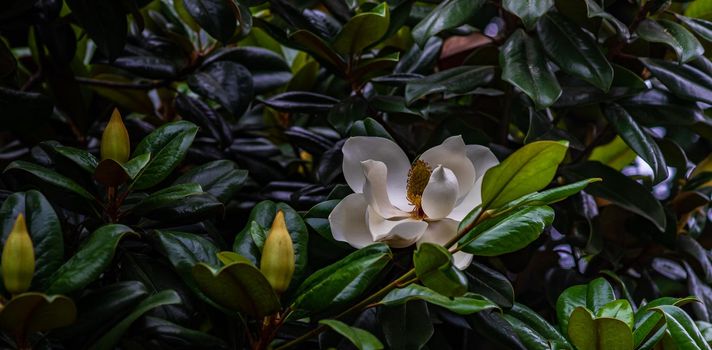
(112, 338)
(507, 233)
(459, 81)
(533, 329)
(167, 146)
(681, 327)
(599, 294)
(702, 27)
(319, 48)
(587, 333)
(226, 82)
(595, 10)
(434, 267)
(93, 257)
(527, 170)
(620, 190)
(341, 283)
(179, 336)
(44, 228)
(524, 64)
(528, 11)
(363, 340)
(239, 287)
(136, 165)
(447, 15)
(167, 197)
(363, 30)
(683, 80)
(672, 34)
(36, 312)
(464, 305)
(618, 309)
(491, 284)
(50, 177)
(221, 178)
(216, 17)
(263, 215)
(82, 158)
(638, 140)
(407, 326)
(573, 50)
(103, 306)
(547, 197)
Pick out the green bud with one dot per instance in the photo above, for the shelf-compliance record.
(115, 143)
(18, 258)
(277, 263)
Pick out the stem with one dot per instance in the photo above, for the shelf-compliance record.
(407, 278)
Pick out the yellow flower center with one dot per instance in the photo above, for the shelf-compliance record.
(418, 177)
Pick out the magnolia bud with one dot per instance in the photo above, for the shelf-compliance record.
(115, 142)
(18, 258)
(277, 263)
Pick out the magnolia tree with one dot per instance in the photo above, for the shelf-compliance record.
(319, 174)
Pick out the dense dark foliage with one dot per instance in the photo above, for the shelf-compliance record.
(598, 236)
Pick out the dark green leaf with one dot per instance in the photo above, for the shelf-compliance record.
(700, 26)
(301, 101)
(467, 304)
(587, 333)
(239, 286)
(507, 233)
(681, 327)
(167, 146)
(221, 178)
(573, 50)
(50, 178)
(448, 14)
(528, 10)
(227, 82)
(524, 64)
(434, 267)
(620, 190)
(112, 337)
(672, 34)
(36, 312)
(683, 80)
(216, 17)
(341, 283)
(362, 339)
(407, 326)
(638, 140)
(89, 262)
(459, 81)
(533, 329)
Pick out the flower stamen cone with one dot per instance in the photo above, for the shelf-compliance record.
(115, 143)
(18, 258)
(277, 262)
(418, 177)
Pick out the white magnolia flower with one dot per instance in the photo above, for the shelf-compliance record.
(400, 203)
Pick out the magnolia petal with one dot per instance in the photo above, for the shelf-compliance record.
(359, 148)
(396, 233)
(452, 155)
(482, 158)
(462, 260)
(440, 194)
(469, 202)
(441, 232)
(348, 221)
(375, 190)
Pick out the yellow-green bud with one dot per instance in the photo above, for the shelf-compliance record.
(277, 263)
(18, 258)
(115, 142)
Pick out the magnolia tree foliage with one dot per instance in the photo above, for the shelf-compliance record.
(317, 174)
